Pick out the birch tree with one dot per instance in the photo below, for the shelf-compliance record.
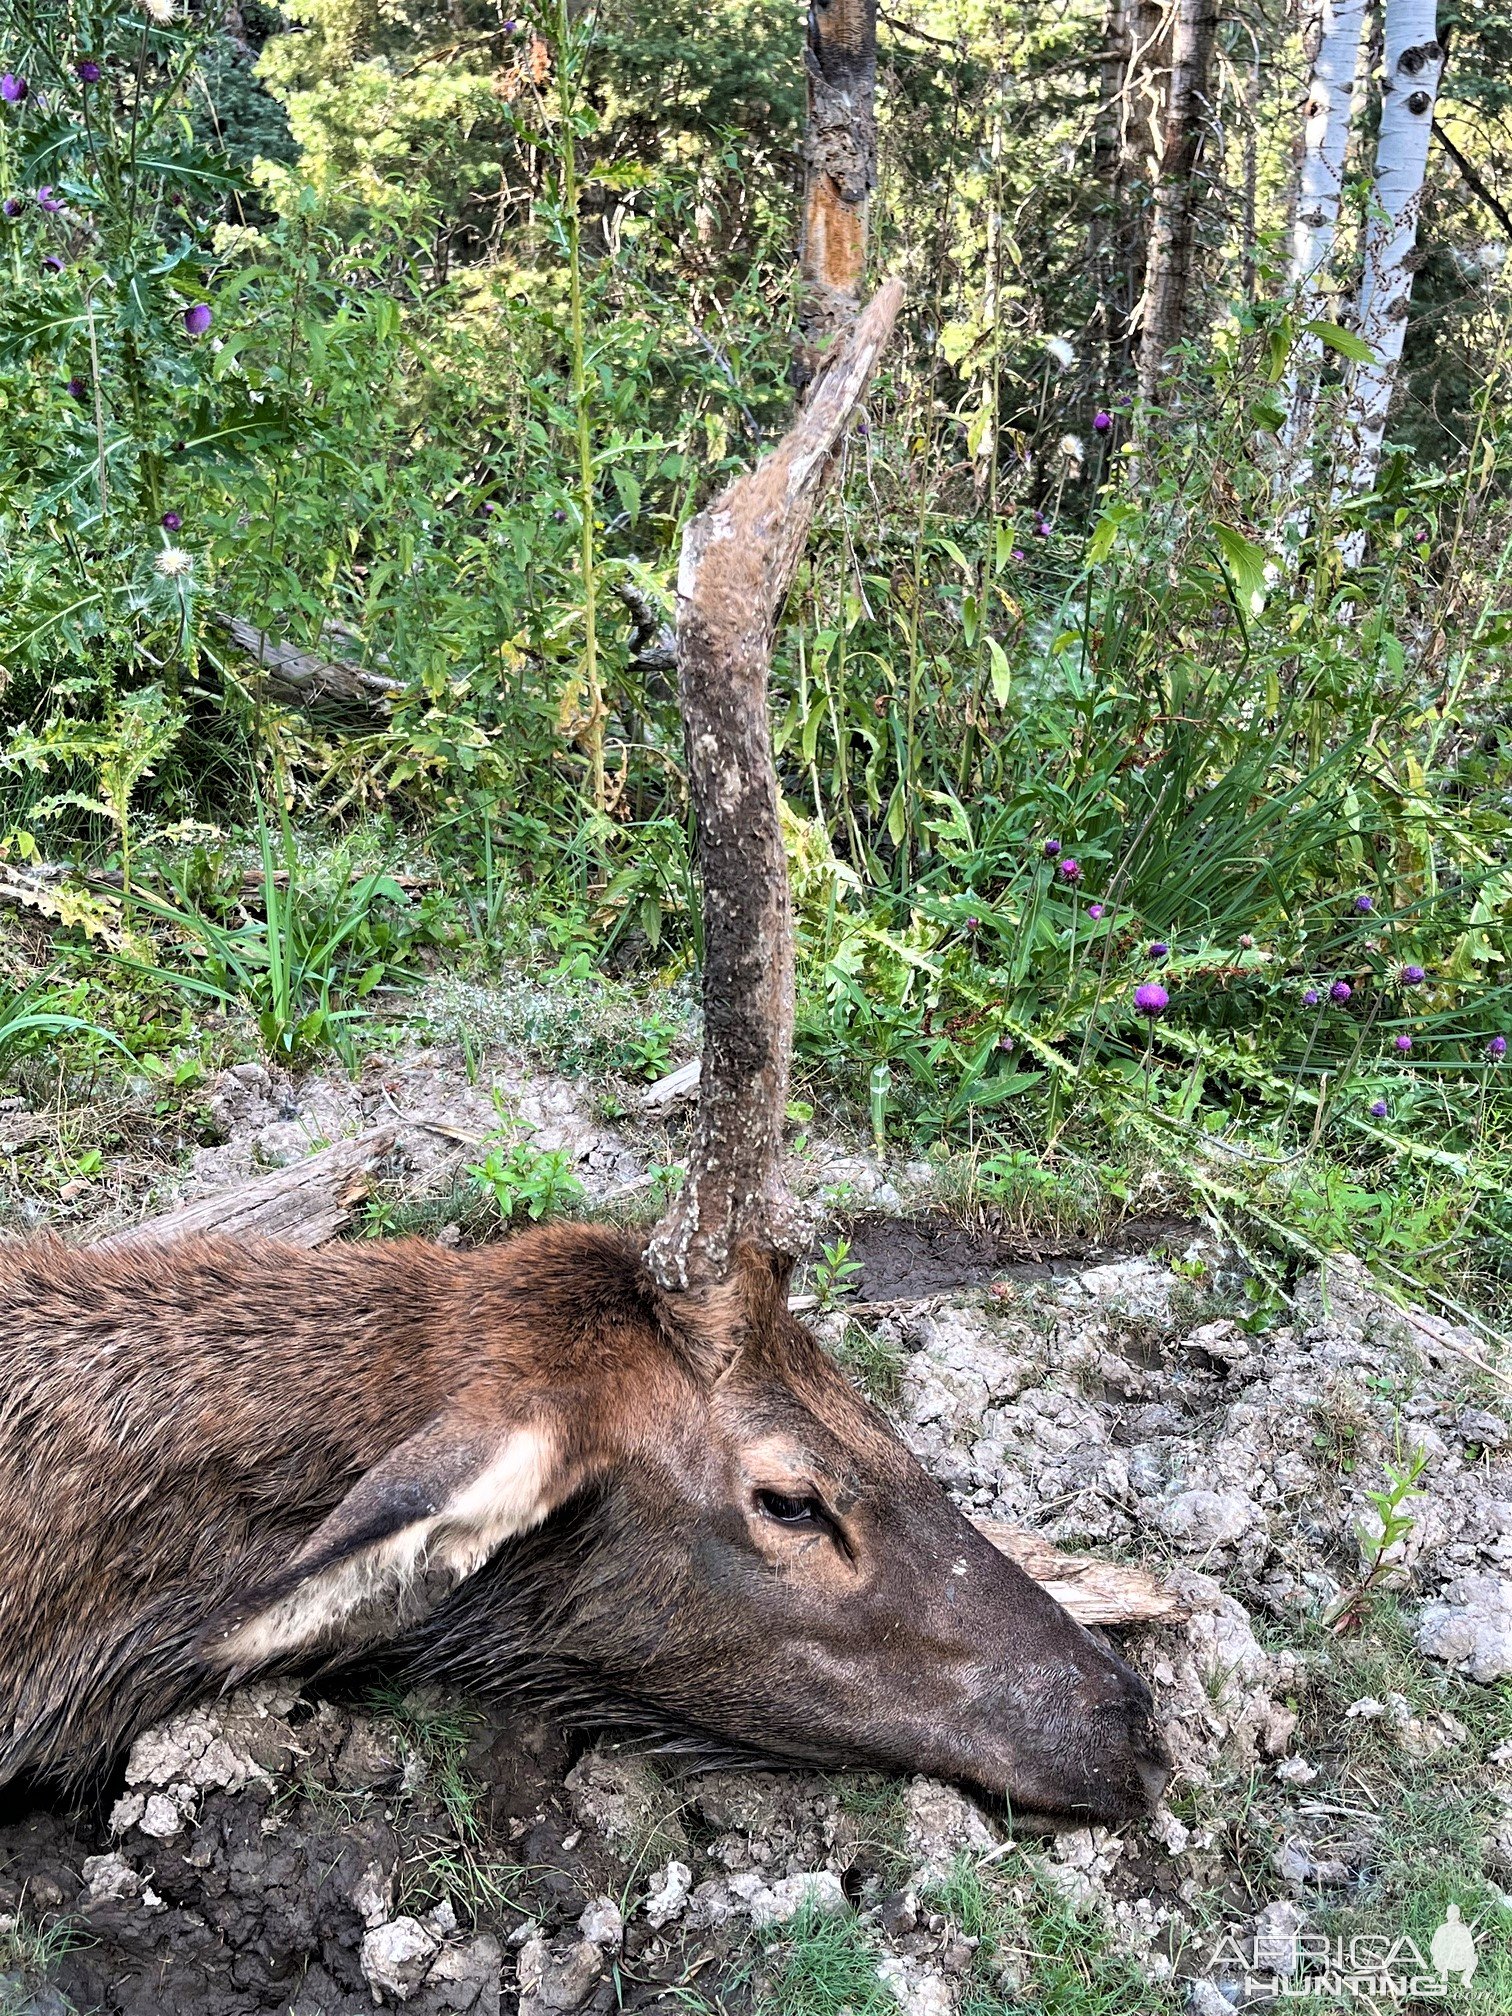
(1320, 184)
(1412, 67)
(839, 169)
(1173, 233)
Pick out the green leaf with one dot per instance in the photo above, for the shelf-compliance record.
(1343, 342)
(1105, 532)
(897, 823)
(1002, 672)
(1245, 560)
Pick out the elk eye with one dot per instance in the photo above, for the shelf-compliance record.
(791, 1510)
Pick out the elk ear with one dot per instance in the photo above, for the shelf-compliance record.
(437, 1505)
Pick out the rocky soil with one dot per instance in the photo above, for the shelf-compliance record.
(284, 1851)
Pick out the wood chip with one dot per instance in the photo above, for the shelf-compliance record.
(1094, 1591)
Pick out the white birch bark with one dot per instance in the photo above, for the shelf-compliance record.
(1320, 183)
(1413, 65)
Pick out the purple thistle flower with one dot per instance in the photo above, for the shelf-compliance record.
(197, 319)
(78, 388)
(170, 521)
(1496, 1049)
(87, 70)
(1379, 1109)
(1363, 905)
(13, 89)
(13, 205)
(1340, 992)
(1101, 422)
(47, 201)
(1094, 911)
(1311, 998)
(52, 263)
(1070, 870)
(1160, 950)
(1052, 848)
(1413, 976)
(1005, 1042)
(973, 923)
(1151, 999)
(1403, 1045)
(1246, 942)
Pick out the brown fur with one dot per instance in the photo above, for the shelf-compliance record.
(176, 1424)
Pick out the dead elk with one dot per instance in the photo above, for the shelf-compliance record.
(632, 1470)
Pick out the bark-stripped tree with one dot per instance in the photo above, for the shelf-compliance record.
(1173, 233)
(1335, 37)
(839, 170)
(1412, 67)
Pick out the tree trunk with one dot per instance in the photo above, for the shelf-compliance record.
(739, 556)
(1134, 78)
(1320, 181)
(1413, 66)
(839, 171)
(1173, 233)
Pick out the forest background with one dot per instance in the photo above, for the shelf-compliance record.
(1141, 707)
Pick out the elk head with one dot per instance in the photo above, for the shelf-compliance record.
(765, 1566)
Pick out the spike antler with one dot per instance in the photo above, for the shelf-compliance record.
(739, 556)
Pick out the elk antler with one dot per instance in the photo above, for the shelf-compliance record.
(739, 556)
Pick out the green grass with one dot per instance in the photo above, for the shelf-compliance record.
(875, 1365)
(822, 1966)
(27, 1954)
(1037, 1950)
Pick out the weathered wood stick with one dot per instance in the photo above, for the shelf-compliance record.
(302, 676)
(306, 1203)
(1095, 1592)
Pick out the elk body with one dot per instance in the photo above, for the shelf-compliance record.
(631, 1473)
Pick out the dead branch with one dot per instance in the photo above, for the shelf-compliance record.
(302, 677)
(739, 556)
(305, 1204)
(1095, 1592)
(653, 647)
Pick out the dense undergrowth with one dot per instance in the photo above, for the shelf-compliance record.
(1139, 842)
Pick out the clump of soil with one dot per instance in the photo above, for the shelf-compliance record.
(928, 1254)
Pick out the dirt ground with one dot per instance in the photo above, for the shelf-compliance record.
(1336, 1774)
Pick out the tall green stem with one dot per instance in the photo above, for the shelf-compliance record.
(580, 407)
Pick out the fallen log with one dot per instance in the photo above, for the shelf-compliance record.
(303, 677)
(1095, 1592)
(306, 1203)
